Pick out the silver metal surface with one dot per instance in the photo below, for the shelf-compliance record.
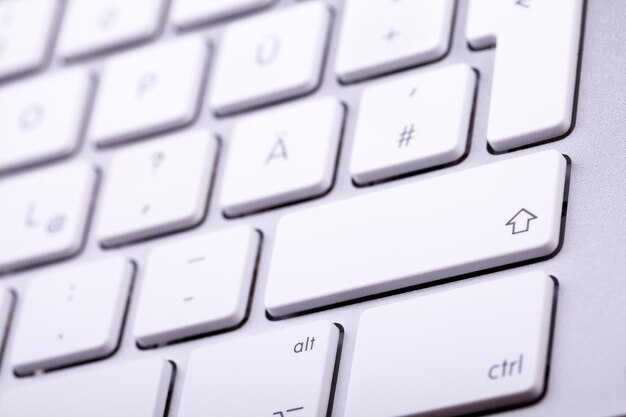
(587, 375)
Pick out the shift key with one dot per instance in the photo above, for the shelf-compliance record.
(467, 221)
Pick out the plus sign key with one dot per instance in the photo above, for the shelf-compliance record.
(413, 123)
(380, 36)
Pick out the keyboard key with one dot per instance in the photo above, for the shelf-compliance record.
(157, 187)
(466, 221)
(380, 36)
(98, 25)
(6, 305)
(481, 26)
(42, 119)
(71, 315)
(190, 13)
(281, 156)
(471, 349)
(270, 57)
(26, 32)
(413, 123)
(148, 91)
(44, 215)
(534, 81)
(196, 286)
(286, 373)
(138, 389)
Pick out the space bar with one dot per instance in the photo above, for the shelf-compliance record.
(454, 224)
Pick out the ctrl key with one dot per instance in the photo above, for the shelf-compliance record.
(472, 349)
(286, 373)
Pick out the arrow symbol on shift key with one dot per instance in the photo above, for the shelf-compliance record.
(520, 223)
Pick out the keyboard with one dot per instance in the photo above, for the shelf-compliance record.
(312, 208)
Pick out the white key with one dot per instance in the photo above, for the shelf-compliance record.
(190, 13)
(6, 305)
(413, 123)
(196, 286)
(157, 187)
(466, 221)
(42, 119)
(270, 57)
(137, 389)
(44, 215)
(71, 315)
(26, 29)
(461, 351)
(92, 26)
(534, 81)
(149, 90)
(379, 36)
(281, 156)
(285, 373)
(481, 23)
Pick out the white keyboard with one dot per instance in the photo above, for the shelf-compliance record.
(259, 208)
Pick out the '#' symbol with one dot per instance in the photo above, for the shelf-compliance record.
(406, 135)
(521, 221)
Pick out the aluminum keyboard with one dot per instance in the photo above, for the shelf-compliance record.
(267, 207)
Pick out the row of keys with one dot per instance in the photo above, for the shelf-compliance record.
(143, 196)
(145, 92)
(189, 288)
(491, 361)
(428, 128)
(524, 223)
(27, 27)
(388, 33)
(278, 56)
(273, 158)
